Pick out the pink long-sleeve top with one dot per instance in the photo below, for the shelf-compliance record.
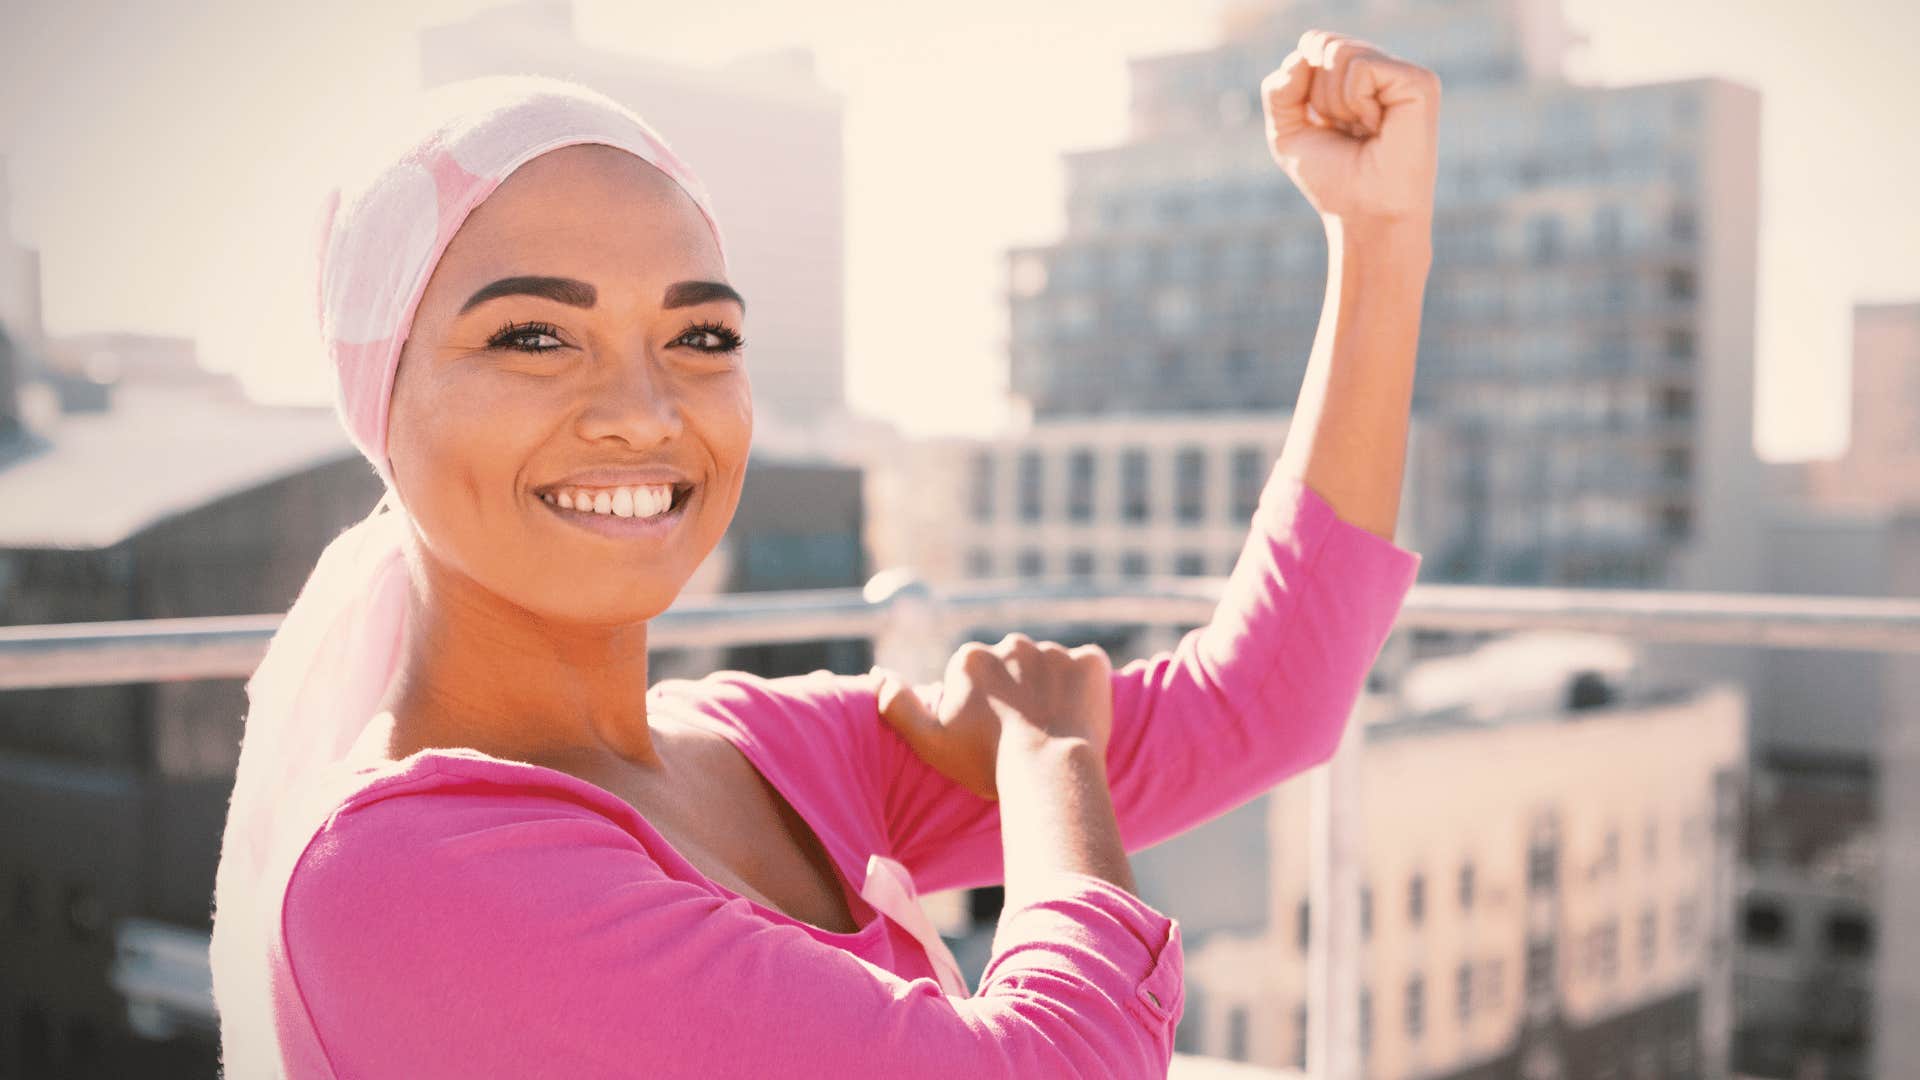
(459, 915)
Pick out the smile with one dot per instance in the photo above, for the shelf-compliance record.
(610, 523)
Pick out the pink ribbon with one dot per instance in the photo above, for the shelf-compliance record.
(889, 889)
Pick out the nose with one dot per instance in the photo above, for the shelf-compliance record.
(634, 400)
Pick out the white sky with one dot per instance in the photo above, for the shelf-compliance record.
(166, 162)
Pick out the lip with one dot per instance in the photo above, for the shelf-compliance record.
(628, 528)
(619, 476)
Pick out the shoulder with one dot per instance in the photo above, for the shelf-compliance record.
(409, 831)
(819, 710)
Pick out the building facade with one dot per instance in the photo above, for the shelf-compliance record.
(1087, 497)
(1587, 335)
(1548, 894)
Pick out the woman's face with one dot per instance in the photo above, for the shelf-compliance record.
(569, 330)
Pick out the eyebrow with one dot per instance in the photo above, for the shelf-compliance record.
(580, 294)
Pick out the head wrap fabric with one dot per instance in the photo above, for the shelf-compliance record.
(335, 654)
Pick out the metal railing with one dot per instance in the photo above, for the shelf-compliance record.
(914, 626)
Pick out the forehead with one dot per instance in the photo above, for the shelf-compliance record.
(585, 211)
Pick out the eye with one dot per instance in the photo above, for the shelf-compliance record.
(729, 341)
(526, 337)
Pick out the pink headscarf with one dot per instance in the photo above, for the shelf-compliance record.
(334, 656)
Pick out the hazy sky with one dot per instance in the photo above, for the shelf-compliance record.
(166, 159)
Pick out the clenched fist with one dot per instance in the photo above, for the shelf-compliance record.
(1355, 128)
(1019, 693)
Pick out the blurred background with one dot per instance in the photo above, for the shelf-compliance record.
(1032, 305)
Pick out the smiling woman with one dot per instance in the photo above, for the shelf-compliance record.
(465, 837)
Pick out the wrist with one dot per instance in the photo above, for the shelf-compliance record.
(1403, 240)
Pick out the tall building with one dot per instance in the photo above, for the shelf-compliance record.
(1881, 467)
(1587, 339)
(1546, 891)
(19, 274)
(786, 240)
(1852, 530)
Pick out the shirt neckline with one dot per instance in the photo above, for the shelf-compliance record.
(875, 917)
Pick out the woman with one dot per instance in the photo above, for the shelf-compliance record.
(467, 840)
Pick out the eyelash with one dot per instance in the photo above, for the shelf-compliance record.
(731, 341)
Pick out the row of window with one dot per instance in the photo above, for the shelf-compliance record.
(1076, 496)
(1032, 562)
(1768, 923)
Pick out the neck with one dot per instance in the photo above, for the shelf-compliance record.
(480, 672)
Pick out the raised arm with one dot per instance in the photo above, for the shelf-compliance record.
(462, 932)
(1265, 688)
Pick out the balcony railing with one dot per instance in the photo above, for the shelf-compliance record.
(914, 626)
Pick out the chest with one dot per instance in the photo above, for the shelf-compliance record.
(738, 830)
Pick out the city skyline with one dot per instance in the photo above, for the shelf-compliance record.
(161, 90)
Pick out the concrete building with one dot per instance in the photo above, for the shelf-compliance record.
(19, 274)
(1548, 888)
(1587, 339)
(1837, 745)
(1881, 467)
(1112, 495)
(786, 241)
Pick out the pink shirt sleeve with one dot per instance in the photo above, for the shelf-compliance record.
(482, 929)
(1259, 693)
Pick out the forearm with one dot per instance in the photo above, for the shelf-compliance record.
(1056, 813)
(1348, 436)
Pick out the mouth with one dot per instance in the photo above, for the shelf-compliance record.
(658, 526)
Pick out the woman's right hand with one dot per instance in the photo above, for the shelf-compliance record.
(1016, 695)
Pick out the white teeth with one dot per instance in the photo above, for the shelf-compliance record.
(643, 501)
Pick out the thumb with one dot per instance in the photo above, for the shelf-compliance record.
(1285, 91)
(902, 708)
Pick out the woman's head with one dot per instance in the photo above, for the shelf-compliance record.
(549, 314)
(577, 332)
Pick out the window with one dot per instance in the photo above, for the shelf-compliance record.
(1543, 239)
(1679, 283)
(1080, 563)
(1417, 899)
(1300, 1036)
(1032, 563)
(1133, 563)
(1539, 969)
(983, 485)
(979, 563)
(1607, 230)
(1675, 462)
(1303, 924)
(1366, 912)
(1680, 344)
(1604, 958)
(1249, 475)
(1190, 564)
(1416, 1006)
(1540, 868)
(1681, 225)
(1366, 1020)
(1849, 934)
(1237, 1033)
(1675, 403)
(1649, 936)
(1032, 473)
(1463, 991)
(1190, 470)
(1134, 496)
(1080, 484)
(1675, 520)
(1466, 886)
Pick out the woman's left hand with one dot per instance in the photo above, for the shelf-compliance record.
(1355, 128)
